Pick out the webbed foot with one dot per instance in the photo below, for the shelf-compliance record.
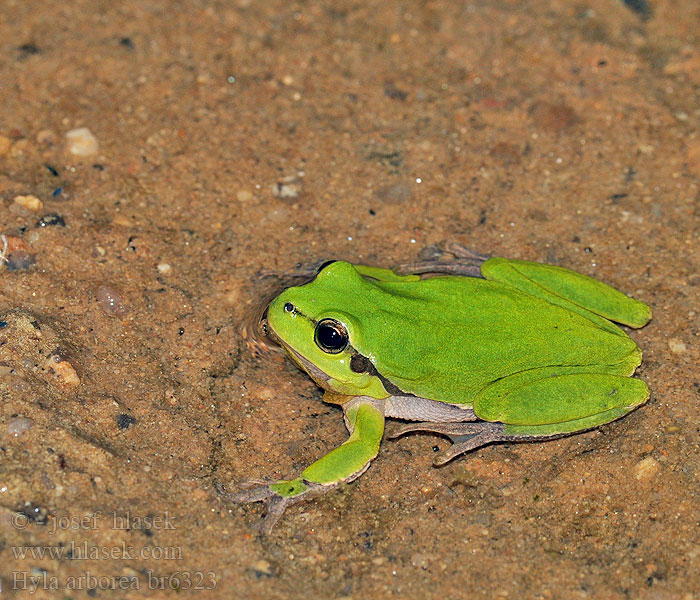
(464, 436)
(450, 258)
(277, 496)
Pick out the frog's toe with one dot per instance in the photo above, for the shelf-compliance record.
(489, 433)
(460, 251)
(448, 429)
(464, 436)
(253, 483)
(274, 509)
(451, 258)
(259, 490)
(255, 490)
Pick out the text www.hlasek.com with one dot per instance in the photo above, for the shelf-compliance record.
(85, 551)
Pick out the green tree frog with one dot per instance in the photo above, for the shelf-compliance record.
(480, 350)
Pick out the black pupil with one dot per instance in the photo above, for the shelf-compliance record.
(331, 337)
(289, 307)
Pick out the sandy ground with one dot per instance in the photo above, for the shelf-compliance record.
(236, 137)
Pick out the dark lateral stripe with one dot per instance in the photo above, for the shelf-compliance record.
(362, 364)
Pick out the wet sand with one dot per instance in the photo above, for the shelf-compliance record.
(231, 138)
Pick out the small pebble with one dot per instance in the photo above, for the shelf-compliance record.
(5, 145)
(646, 469)
(677, 346)
(421, 561)
(51, 220)
(19, 425)
(82, 142)
(20, 260)
(18, 257)
(110, 300)
(262, 568)
(164, 268)
(244, 196)
(124, 421)
(31, 203)
(65, 373)
(288, 188)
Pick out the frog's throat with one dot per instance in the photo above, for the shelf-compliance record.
(320, 378)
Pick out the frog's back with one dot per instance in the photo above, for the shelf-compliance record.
(446, 338)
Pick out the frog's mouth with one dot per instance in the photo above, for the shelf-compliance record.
(320, 378)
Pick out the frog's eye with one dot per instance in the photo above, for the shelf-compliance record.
(331, 336)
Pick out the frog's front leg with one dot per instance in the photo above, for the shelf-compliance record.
(364, 418)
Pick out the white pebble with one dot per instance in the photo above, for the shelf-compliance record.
(81, 142)
(677, 346)
(19, 425)
(285, 190)
(164, 268)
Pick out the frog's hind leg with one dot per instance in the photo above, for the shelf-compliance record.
(558, 404)
(464, 436)
(450, 259)
(568, 289)
(518, 408)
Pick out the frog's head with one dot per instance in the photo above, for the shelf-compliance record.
(318, 327)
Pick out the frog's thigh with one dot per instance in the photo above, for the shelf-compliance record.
(559, 404)
(540, 280)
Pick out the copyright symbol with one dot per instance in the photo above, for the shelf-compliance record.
(19, 520)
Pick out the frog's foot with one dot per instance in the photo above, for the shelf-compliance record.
(464, 436)
(277, 497)
(451, 258)
(462, 252)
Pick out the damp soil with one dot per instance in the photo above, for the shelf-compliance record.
(232, 139)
